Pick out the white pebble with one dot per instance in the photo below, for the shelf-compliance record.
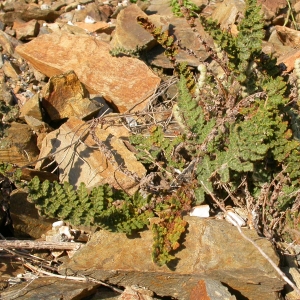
(234, 219)
(66, 231)
(89, 20)
(58, 224)
(201, 211)
(45, 7)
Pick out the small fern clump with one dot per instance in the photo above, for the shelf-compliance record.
(112, 210)
(187, 3)
(170, 226)
(115, 211)
(158, 150)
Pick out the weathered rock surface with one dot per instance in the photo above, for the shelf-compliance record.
(19, 147)
(129, 34)
(136, 293)
(84, 161)
(26, 220)
(183, 33)
(6, 43)
(5, 94)
(11, 70)
(270, 8)
(96, 27)
(26, 12)
(124, 81)
(288, 36)
(212, 249)
(32, 108)
(160, 7)
(26, 30)
(210, 289)
(51, 289)
(64, 96)
(227, 13)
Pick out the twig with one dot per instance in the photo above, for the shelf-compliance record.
(76, 278)
(277, 269)
(290, 13)
(12, 294)
(22, 244)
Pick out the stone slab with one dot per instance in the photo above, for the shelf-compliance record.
(124, 81)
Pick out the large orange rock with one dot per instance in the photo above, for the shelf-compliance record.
(124, 81)
(95, 160)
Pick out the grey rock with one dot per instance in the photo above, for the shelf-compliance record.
(51, 289)
(212, 249)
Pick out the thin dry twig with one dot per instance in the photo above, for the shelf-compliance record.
(24, 244)
(75, 278)
(13, 294)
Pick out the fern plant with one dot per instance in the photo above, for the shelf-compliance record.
(155, 149)
(115, 211)
(187, 3)
(243, 137)
(112, 210)
(239, 127)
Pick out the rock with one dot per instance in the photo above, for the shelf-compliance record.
(97, 27)
(288, 59)
(288, 36)
(104, 293)
(277, 48)
(160, 7)
(183, 33)
(27, 12)
(28, 174)
(57, 5)
(5, 94)
(11, 70)
(64, 96)
(13, 155)
(32, 108)
(129, 34)
(212, 249)
(26, 30)
(51, 288)
(79, 13)
(210, 289)
(105, 12)
(227, 13)
(26, 220)
(124, 81)
(20, 145)
(136, 293)
(9, 269)
(6, 43)
(92, 11)
(271, 8)
(86, 162)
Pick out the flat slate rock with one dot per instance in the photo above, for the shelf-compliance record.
(51, 289)
(126, 82)
(212, 249)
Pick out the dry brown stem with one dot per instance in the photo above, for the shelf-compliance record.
(23, 244)
(76, 278)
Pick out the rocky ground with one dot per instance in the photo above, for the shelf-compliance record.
(68, 67)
